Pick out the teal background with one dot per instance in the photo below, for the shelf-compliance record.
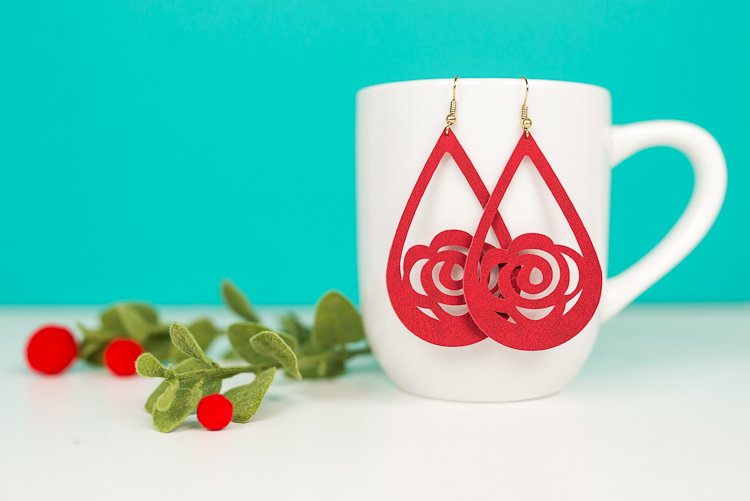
(150, 148)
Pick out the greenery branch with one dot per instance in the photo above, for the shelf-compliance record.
(176, 353)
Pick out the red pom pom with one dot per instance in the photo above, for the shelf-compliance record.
(120, 356)
(51, 349)
(215, 411)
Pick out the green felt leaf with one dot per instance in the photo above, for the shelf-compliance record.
(91, 349)
(102, 334)
(183, 367)
(272, 345)
(92, 352)
(149, 366)
(158, 330)
(129, 319)
(94, 343)
(160, 345)
(166, 399)
(324, 365)
(135, 326)
(239, 335)
(247, 398)
(204, 332)
(291, 325)
(110, 318)
(211, 386)
(146, 312)
(151, 401)
(336, 322)
(184, 403)
(237, 301)
(186, 343)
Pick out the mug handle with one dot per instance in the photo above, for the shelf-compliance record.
(710, 169)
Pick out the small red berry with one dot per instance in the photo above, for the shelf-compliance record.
(51, 349)
(215, 411)
(120, 356)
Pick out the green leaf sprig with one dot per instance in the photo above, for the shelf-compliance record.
(336, 335)
(140, 321)
(185, 384)
(320, 350)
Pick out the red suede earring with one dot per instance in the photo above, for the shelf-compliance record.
(435, 315)
(521, 294)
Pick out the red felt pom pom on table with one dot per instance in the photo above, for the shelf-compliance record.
(51, 349)
(120, 356)
(215, 411)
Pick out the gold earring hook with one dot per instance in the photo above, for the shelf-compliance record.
(451, 118)
(525, 120)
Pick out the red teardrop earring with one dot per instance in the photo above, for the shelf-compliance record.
(531, 293)
(439, 314)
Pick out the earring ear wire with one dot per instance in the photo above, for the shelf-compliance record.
(525, 120)
(450, 119)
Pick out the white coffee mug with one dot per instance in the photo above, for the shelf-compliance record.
(397, 127)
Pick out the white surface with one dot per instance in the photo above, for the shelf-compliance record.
(397, 127)
(660, 411)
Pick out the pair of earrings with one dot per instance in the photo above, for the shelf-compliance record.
(528, 294)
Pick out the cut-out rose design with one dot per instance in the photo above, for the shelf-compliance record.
(531, 279)
(435, 273)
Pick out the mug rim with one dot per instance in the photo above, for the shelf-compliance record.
(422, 81)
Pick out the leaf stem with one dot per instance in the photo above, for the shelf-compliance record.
(221, 372)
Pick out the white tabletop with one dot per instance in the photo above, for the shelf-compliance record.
(661, 411)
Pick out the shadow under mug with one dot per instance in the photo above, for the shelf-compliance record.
(397, 126)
